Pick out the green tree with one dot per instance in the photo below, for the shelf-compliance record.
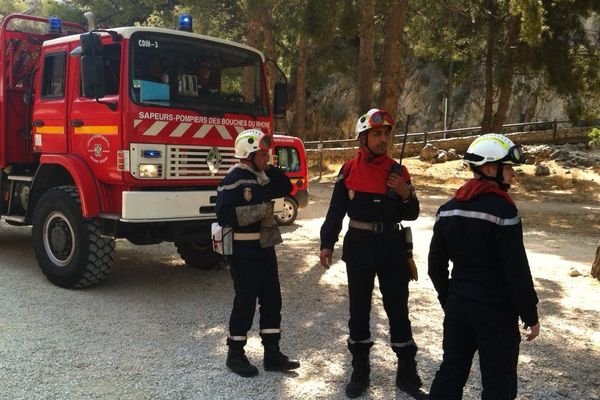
(11, 6)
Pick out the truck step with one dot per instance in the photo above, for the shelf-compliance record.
(24, 178)
(14, 218)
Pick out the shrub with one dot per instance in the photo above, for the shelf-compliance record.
(594, 137)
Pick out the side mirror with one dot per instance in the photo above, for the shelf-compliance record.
(91, 44)
(279, 99)
(92, 66)
(92, 77)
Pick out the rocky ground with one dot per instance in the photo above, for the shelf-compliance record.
(155, 328)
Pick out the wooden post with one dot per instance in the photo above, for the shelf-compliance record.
(555, 128)
(424, 138)
(320, 149)
(596, 264)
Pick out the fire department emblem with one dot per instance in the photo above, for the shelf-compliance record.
(247, 194)
(98, 148)
(213, 160)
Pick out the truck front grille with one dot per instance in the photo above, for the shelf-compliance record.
(191, 162)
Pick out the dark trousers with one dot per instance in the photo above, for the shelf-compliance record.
(393, 284)
(255, 276)
(492, 330)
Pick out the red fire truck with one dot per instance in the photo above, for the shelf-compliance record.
(291, 157)
(120, 133)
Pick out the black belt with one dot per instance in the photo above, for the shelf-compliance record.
(374, 226)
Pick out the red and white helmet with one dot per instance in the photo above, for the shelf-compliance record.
(250, 141)
(374, 118)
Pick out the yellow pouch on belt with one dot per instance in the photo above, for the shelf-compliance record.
(410, 262)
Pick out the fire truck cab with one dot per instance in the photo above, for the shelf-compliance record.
(120, 133)
(291, 157)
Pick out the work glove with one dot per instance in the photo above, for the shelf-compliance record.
(247, 215)
(266, 210)
(252, 213)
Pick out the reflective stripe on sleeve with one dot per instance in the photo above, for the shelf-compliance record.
(236, 184)
(480, 215)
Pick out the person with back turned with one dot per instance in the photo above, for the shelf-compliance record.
(244, 203)
(480, 231)
(376, 194)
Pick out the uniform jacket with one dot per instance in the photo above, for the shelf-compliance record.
(480, 231)
(241, 187)
(361, 247)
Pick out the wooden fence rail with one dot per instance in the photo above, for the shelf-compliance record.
(458, 139)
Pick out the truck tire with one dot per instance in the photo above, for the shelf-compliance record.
(289, 213)
(198, 253)
(68, 247)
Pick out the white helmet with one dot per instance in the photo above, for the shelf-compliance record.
(372, 119)
(493, 147)
(250, 141)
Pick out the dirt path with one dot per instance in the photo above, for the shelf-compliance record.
(563, 361)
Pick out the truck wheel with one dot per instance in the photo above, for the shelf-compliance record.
(68, 247)
(198, 253)
(289, 213)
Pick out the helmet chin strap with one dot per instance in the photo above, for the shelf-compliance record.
(252, 158)
(366, 141)
(499, 178)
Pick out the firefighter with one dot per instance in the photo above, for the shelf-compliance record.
(376, 200)
(206, 81)
(480, 231)
(244, 202)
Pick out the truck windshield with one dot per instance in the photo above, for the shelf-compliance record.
(207, 76)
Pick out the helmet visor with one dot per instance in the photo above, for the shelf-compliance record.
(515, 155)
(265, 143)
(381, 118)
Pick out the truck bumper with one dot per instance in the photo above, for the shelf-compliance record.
(168, 206)
(302, 198)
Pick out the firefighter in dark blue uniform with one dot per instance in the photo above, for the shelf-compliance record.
(244, 202)
(376, 200)
(480, 231)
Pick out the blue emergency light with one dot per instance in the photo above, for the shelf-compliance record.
(151, 153)
(185, 22)
(55, 25)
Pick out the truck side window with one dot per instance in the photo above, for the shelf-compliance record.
(288, 159)
(53, 79)
(112, 68)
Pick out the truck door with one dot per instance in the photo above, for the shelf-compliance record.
(94, 127)
(49, 111)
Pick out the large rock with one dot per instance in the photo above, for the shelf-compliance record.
(428, 153)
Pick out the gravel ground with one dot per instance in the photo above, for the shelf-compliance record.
(155, 329)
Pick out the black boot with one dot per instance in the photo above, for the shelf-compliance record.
(237, 361)
(275, 360)
(359, 381)
(407, 378)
